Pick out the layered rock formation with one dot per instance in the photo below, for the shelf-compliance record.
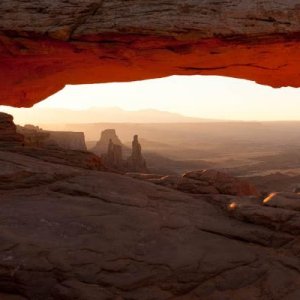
(45, 45)
(136, 161)
(8, 132)
(37, 137)
(56, 155)
(111, 150)
(114, 158)
(107, 136)
(203, 182)
(67, 140)
(34, 143)
(33, 135)
(69, 233)
(215, 182)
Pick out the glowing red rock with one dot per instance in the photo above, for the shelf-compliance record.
(45, 45)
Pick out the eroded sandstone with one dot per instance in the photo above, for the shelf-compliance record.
(70, 231)
(202, 182)
(92, 235)
(45, 45)
(9, 137)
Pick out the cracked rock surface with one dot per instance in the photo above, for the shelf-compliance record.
(45, 45)
(177, 18)
(84, 234)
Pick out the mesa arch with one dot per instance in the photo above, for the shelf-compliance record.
(45, 44)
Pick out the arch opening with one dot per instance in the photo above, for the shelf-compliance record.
(203, 121)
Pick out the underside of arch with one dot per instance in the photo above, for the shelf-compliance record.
(45, 45)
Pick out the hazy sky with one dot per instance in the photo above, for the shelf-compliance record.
(197, 96)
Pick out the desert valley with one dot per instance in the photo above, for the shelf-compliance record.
(204, 210)
(149, 150)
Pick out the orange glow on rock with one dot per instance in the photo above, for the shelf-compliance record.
(232, 206)
(31, 69)
(269, 198)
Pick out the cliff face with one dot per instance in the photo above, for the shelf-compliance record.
(67, 140)
(47, 44)
(8, 132)
(107, 136)
(136, 161)
(37, 137)
(69, 233)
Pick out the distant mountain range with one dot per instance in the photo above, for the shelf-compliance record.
(39, 115)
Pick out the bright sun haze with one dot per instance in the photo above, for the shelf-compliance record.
(210, 97)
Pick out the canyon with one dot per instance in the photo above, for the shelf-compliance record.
(72, 231)
(118, 157)
(72, 228)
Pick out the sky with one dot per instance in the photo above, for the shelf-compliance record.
(209, 97)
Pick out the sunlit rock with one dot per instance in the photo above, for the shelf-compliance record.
(43, 49)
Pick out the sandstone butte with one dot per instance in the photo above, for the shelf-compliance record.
(45, 44)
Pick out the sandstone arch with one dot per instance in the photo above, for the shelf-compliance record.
(47, 44)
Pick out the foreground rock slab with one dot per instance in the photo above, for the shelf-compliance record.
(202, 182)
(83, 234)
(283, 200)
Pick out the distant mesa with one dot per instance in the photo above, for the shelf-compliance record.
(65, 148)
(68, 140)
(107, 135)
(111, 150)
(36, 137)
(209, 181)
(285, 200)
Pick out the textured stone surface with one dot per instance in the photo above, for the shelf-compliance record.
(34, 136)
(136, 161)
(37, 137)
(69, 233)
(31, 145)
(224, 183)
(102, 145)
(113, 158)
(68, 140)
(8, 132)
(47, 44)
(203, 182)
(283, 200)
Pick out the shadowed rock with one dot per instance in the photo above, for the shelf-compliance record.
(33, 135)
(203, 182)
(69, 233)
(136, 162)
(103, 144)
(8, 132)
(37, 137)
(222, 182)
(113, 159)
